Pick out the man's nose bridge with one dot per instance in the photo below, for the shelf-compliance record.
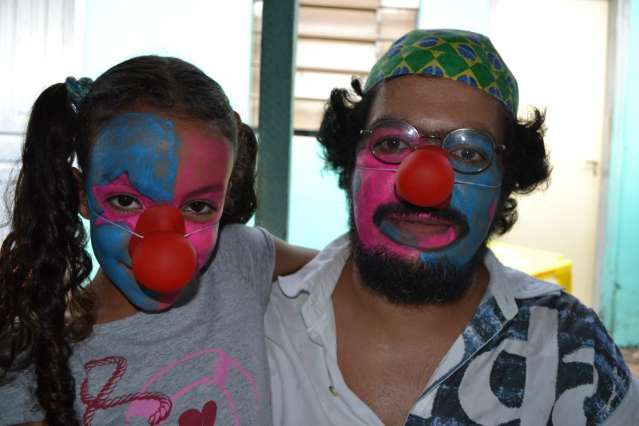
(428, 140)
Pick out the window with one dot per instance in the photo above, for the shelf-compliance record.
(337, 39)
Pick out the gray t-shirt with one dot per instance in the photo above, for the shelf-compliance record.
(200, 363)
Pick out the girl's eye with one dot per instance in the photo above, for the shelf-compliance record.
(200, 208)
(124, 202)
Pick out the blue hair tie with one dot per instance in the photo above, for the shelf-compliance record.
(77, 90)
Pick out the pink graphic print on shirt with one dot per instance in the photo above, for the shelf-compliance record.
(194, 417)
(156, 407)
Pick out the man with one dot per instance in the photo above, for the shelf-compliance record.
(409, 318)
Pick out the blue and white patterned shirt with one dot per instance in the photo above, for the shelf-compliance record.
(531, 355)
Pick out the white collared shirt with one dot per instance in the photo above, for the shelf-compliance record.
(490, 375)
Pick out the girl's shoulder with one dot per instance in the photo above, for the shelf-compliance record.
(244, 261)
(242, 238)
(245, 248)
(246, 231)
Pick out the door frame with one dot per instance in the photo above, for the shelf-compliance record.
(622, 36)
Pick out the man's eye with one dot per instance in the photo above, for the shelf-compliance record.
(468, 155)
(390, 146)
(124, 202)
(199, 208)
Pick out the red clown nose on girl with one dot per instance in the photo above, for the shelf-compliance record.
(163, 260)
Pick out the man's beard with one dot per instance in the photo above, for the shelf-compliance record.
(416, 282)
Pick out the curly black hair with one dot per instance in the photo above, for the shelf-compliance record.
(44, 303)
(526, 164)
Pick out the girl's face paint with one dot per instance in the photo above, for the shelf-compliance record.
(144, 159)
(381, 219)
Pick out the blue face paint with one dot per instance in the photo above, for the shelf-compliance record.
(476, 200)
(143, 146)
(134, 153)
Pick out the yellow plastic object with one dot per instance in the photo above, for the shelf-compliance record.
(545, 265)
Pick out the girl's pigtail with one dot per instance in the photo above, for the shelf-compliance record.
(241, 200)
(43, 264)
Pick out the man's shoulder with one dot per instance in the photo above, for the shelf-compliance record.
(317, 276)
(559, 336)
(284, 305)
(302, 301)
(553, 359)
(573, 317)
(577, 325)
(586, 352)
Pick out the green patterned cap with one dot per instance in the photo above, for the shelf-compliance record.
(463, 56)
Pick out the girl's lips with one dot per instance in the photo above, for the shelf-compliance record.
(420, 231)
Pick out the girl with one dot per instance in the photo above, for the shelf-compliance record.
(165, 165)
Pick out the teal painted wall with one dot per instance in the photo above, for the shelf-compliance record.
(318, 211)
(277, 80)
(620, 280)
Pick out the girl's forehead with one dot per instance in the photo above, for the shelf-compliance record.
(154, 123)
(145, 147)
(152, 149)
(140, 132)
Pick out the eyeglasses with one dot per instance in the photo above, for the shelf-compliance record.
(470, 151)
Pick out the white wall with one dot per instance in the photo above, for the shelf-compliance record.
(557, 50)
(214, 35)
(9, 167)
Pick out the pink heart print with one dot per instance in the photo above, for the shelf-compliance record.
(194, 417)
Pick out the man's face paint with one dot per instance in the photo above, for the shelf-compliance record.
(453, 232)
(143, 159)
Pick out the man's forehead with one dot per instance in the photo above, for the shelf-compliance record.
(433, 104)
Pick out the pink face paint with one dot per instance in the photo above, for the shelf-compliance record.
(372, 188)
(205, 167)
(120, 186)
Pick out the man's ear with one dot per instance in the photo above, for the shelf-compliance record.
(84, 209)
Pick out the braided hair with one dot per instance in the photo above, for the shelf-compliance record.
(45, 305)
